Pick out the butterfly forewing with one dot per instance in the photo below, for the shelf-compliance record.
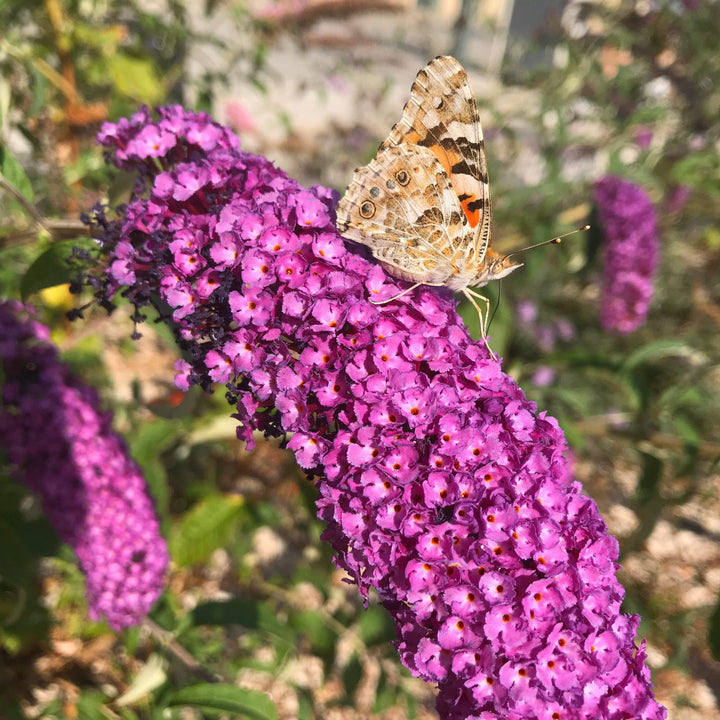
(405, 209)
(442, 115)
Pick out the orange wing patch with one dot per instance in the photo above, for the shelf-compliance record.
(471, 206)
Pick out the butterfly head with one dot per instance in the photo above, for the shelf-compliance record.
(494, 268)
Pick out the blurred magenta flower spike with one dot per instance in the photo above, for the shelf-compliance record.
(61, 445)
(631, 250)
(441, 485)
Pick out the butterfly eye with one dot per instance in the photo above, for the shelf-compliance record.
(367, 209)
(402, 177)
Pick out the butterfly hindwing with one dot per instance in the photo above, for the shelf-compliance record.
(404, 208)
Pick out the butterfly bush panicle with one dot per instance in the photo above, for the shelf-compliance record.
(62, 446)
(632, 252)
(441, 485)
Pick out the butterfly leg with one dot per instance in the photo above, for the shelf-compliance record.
(395, 297)
(471, 295)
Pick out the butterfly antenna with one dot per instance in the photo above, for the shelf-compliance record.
(553, 241)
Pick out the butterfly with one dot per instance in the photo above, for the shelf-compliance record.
(422, 205)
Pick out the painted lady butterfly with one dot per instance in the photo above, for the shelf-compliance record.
(422, 205)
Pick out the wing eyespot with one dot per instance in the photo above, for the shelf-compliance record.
(390, 184)
(374, 191)
(367, 209)
(402, 177)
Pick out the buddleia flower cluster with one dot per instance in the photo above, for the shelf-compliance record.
(61, 445)
(631, 252)
(442, 486)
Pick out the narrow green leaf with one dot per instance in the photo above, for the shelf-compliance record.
(648, 486)
(574, 398)
(575, 439)
(677, 397)
(39, 94)
(13, 172)
(305, 706)
(687, 430)
(376, 627)
(17, 562)
(204, 528)
(241, 702)
(654, 351)
(248, 613)
(714, 631)
(352, 675)
(146, 447)
(314, 626)
(91, 705)
(52, 268)
(385, 695)
(5, 100)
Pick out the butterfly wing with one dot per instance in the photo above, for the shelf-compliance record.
(442, 116)
(404, 208)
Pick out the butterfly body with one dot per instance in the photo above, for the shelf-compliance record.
(422, 205)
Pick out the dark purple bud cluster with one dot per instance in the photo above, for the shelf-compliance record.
(62, 446)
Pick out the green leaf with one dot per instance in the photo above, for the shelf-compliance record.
(145, 447)
(39, 94)
(314, 626)
(714, 631)
(5, 100)
(573, 398)
(91, 705)
(654, 351)
(678, 397)
(352, 675)
(575, 439)
(135, 78)
(52, 268)
(204, 528)
(687, 430)
(241, 702)
(385, 695)
(376, 627)
(248, 613)
(13, 172)
(648, 485)
(305, 706)
(17, 562)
